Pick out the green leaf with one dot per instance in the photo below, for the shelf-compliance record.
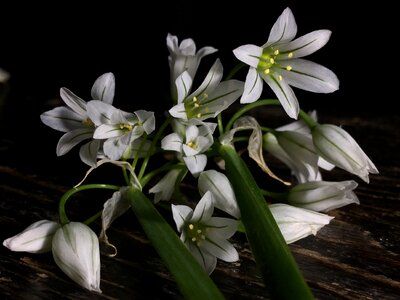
(273, 257)
(193, 281)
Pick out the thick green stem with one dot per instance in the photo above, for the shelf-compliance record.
(307, 119)
(273, 257)
(193, 281)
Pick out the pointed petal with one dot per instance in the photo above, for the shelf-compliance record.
(205, 259)
(284, 29)
(307, 44)
(221, 228)
(178, 111)
(222, 249)
(285, 95)
(249, 54)
(309, 76)
(104, 88)
(100, 112)
(148, 120)
(181, 214)
(106, 131)
(324, 164)
(187, 47)
(73, 101)
(196, 164)
(204, 209)
(172, 142)
(164, 189)
(114, 148)
(205, 51)
(88, 152)
(183, 85)
(71, 139)
(253, 87)
(212, 79)
(172, 43)
(62, 119)
(191, 133)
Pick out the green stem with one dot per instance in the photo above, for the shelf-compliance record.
(93, 218)
(248, 107)
(235, 70)
(193, 281)
(153, 144)
(220, 125)
(61, 206)
(273, 257)
(134, 163)
(168, 166)
(307, 119)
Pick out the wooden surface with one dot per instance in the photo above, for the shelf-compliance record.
(355, 257)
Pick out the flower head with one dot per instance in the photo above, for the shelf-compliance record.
(74, 120)
(206, 236)
(323, 195)
(76, 251)
(339, 148)
(36, 238)
(278, 63)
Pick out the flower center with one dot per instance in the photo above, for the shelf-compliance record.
(126, 127)
(87, 122)
(194, 107)
(192, 145)
(270, 59)
(196, 232)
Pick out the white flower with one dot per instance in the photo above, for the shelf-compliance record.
(339, 148)
(204, 235)
(184, 57)
(76, 252)
(221, 189)
(277, 63)
(164, 189)
(296, 150)
(36, 238)
(118, 127)
(297, 223)
(212, 97)
(323, 195)
(74, 119)
(4, 76)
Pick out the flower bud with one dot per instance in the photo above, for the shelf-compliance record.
(76, 252)
(323, 195)
(36, 238)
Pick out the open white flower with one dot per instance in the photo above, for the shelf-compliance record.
(297, 223)
(323, 195)
(212, 97)
(277, 63)
(76, 251)
(184, 57)
(339, 148)
(206, 236)
(74, 119)
(36, 238)
(117, 127)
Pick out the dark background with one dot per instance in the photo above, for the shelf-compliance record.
(48, 46)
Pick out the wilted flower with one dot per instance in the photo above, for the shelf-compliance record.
(323, 195)
(297, 223)
(36, 238)
(277, 63)
(204, 235)
(76, 252)
(339, 148)
(164, 189)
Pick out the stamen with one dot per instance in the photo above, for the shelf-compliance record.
(87, 122)
(276, 52)
(199, 231)
(266, 71)
(198, 115)
(194, 99)
(191, 226)
(289, 68)
(280, 77)
(271, 60)
(125, 126)
(290, 55)
(203, 237)
(196, 105)
(193, 239)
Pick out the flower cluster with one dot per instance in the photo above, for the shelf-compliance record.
(127, 139)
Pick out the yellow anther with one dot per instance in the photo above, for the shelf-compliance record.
(290, 55)
(193, 239)
(125, 126)
(87, 122)
(280, 77)
(194, 99)
(288, 68)
(271, 60)
(191, 145)
(266, 71)
(191, 226)
(198, 230)
(196, 105)
(206, 109)
(198, 115)
(276, 52)
(203, 237)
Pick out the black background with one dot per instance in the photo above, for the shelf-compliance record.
(48, 46)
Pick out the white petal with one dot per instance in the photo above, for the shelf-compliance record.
(62, 119)
(221, 228)
(298, 145)
(205, 259)
(249, 54)
(205, 51)
(114, 148)
(73, 101)
(324, 164)
(106, 131)
(285, 95)
(187, 47)
(164, 189)
(252, 87)
(221, 188)
(284, 29)
(4, 75)
(100, 112)
(178, 111)
(212, 79)
(104, 88)
(172, 142)
(306, 44)
(183, 85)
(88, 152)
(172, 43)
(222, 249)
(310, 76)
(36, 238)
(71, 139)
(204, 209)
(196, 164)
(148, 120)
(191, 133)
(181, 214)
(189, 151)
